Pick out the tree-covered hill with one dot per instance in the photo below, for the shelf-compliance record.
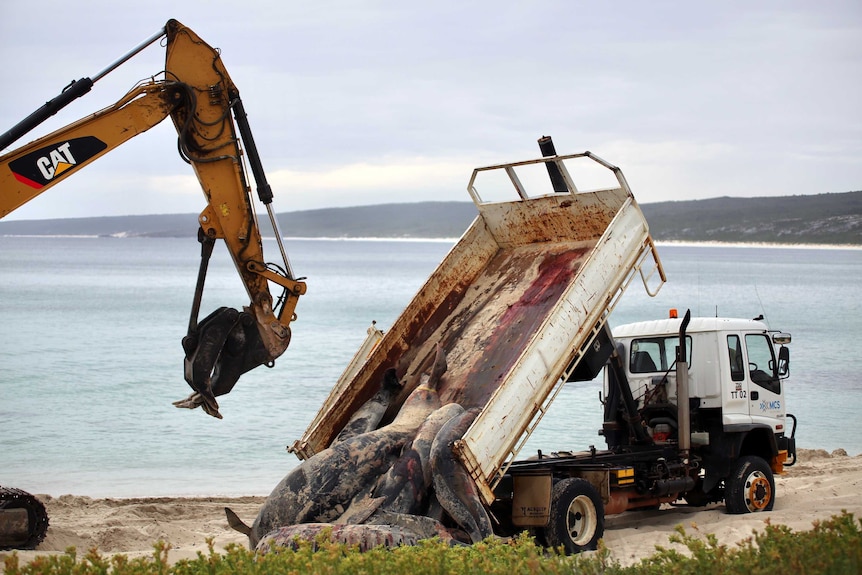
(809, 219)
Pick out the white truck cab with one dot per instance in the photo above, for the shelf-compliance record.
(734, 365)
(730, 429)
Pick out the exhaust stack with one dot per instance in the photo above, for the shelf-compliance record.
(682, 395)
(546, 145)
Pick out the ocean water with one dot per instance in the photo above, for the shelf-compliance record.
(90, 359)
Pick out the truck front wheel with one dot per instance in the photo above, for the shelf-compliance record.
(751, 486)
(577, 519)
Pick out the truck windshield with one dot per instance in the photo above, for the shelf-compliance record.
(653, 354)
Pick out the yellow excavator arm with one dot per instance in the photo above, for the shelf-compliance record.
(196, 91)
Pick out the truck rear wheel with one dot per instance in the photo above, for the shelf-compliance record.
(577, 519)
(751, 486)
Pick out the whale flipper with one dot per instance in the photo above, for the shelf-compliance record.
(235, 522)
(455, 489)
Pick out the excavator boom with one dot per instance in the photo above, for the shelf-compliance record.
(196, 91)
(43, 163)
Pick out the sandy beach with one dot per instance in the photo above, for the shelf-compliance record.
(820, 485)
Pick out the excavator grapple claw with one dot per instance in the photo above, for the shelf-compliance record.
(224, 345)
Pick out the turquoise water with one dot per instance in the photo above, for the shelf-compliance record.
(91, 359)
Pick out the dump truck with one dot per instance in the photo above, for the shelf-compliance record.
(520, 306)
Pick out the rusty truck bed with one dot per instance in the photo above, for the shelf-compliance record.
(514, 305)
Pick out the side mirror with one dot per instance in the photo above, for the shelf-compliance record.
(783, 361)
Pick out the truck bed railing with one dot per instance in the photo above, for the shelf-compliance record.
(561, 164)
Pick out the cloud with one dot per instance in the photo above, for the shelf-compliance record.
(365, 102)
(383, 176)
(387, 180)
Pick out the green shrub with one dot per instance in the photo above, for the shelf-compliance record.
(830, 547)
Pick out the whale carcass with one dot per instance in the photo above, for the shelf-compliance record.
(378, 484)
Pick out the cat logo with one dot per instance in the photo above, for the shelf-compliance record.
(58, 161)
(41, 167)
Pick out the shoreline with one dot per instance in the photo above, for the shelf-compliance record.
(820, 485)
(671, 243)
(263, 492)
(658, 243)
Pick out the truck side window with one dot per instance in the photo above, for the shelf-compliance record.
(761, 362)
(645, 357)
(654, 354)
(734, 350)
(642, 362)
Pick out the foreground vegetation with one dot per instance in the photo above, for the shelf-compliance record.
(830, 547)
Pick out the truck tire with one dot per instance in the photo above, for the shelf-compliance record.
(577, 516)
(751, 486)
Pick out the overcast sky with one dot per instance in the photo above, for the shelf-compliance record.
(366, 102)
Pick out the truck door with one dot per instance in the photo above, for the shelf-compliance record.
(736, 403)
(765, 401)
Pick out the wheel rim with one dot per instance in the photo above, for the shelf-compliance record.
(581, 520)
(758, 491)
